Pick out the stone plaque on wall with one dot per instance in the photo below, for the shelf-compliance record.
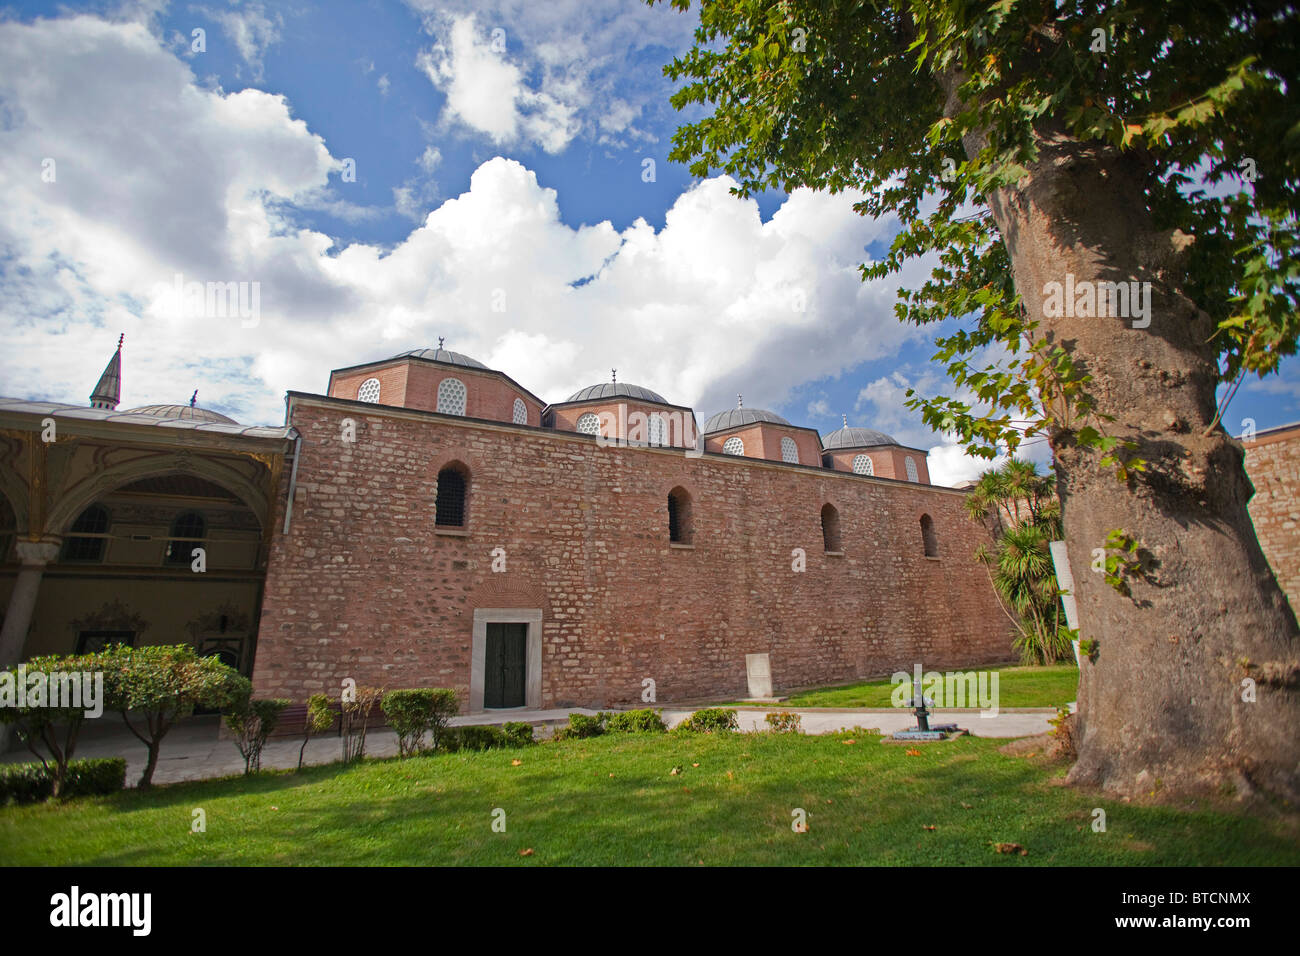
(759, 671)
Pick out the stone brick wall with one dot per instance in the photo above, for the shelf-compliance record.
(1273, 463)
(411, 383)
(362, 586)
(885, 462)
(763, 440)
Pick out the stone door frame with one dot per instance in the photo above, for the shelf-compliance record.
(532, 654)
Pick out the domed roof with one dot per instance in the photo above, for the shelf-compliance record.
(741, 416)
(856, 438)
(443, 355)
(616, 390)
(189, 413)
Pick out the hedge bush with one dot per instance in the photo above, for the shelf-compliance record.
(519, 733)
(711, 720)
(785, 722)
(475, 737)
(645, 721)
(32, 782)
(581, 726)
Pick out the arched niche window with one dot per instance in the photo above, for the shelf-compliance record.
(453, 494)
(862, 465)
(910, 467)
(92, 521)
(658, 430)
(681, 519)
(451, 396)
(188, 531)
(520, 413)
(789, 451)
(589, 424)
(368, 391)
(733, 446)
(830, 528)
(928, 537)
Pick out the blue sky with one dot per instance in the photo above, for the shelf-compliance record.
(501, 200)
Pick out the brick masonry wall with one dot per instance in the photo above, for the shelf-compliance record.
(1273, 463)
(363, 587)
(411, 383)
(763, 440)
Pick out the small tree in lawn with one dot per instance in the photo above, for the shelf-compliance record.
(161, 684)
(412, 713)
(252, 722)
(36, 722)
(358, 704)
(318, 719)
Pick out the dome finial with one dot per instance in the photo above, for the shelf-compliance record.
(740, 400)
(846, 420)
(613, 376)
(194, 399)
(120, 339)
(440, 341)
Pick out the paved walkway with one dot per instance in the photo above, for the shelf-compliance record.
(196, 749)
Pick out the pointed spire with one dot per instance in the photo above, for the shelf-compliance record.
(108, 392)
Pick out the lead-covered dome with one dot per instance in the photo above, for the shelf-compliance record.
(443, 355)
(187, 413)
(734, 417)
(616, 390)
(856, 438)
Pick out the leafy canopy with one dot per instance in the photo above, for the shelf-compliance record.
(850, 94)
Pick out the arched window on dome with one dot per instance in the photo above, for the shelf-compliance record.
(657, 429)
(830, 529)
(369, 391)
(733, 446)
(862, 465)
(188, 531)
(910, 467)
(928, 538)
(681, 518)
(789, 451)
(589, 424)
(92, 521)
(451, 505)
(520, 413)
(451, 396)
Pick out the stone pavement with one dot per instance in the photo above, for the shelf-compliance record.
(196, 750)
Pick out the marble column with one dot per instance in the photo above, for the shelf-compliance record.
(34, 555)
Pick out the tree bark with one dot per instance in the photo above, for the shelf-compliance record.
(1161, 706)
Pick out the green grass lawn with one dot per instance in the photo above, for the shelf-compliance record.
(613, 800)
(1052, 686)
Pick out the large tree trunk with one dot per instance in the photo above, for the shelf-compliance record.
(1161, 706)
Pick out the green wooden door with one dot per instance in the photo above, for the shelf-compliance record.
(505, 667)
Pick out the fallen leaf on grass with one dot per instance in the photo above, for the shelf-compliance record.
(1011, 848)
(528, 852)
(927, 828)
(675, 771)
(913, 753)
(850, 741)
(515, 763)
(967, 806)
(799, 827)
(694, 765)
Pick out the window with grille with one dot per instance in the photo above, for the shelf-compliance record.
(733, 446)
(928, 537)
(520, 416)
(680, 519)
(657, 430)
(589, 424)
(450, 505)
(830, 528)
(92, 521)
(451, 396)
(862, 465)
(188, 531)
(910, 467)
(789, 451)
(369, 391)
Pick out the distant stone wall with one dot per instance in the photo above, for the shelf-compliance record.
(1273, 463)
(365, 586)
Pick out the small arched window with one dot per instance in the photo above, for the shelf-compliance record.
(520, 413)
(733, 446)
(928, 537)
(910, 467)
(92, 521)
(188, 531)
(830, 528)
(451, 396)
(453, 492)
(789, 451)
(681, 520)
(862, 465)
(369, 391)
(589, 424)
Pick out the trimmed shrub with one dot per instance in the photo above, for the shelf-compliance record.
(476, 737)
(645, 721)
(711, 720)
(357, 705)
(446, 705)
(581, 726)
(410, 714)
(318, 719)
(519, 733)
(252, 722)
(785, 722)
(33, 782)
